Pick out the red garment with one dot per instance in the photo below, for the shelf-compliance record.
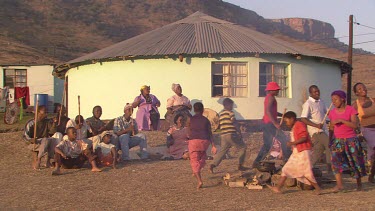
(300, 131)
(197, 153)
(22, 92)
(266, 118)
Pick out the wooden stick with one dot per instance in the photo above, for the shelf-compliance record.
(325, 116)
(35, 120)
(79, 109)
(282, 117)
(132, 123)
(62, 102)
(281, 121)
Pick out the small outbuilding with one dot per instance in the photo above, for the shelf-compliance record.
(27, 80)
(210, 58)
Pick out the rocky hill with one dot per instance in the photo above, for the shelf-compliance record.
(45, 31)
(66, 29)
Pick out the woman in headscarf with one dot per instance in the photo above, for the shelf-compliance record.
(148, 117)
(345, 147)
(177, 104)
(366, 113)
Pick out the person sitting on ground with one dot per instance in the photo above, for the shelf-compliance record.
(148, 117)
(61, 121)
(83, 130)
(230, 136)
(97, 126)
(126, 128)
(70, 153)
(177, 139)
(106, 151)
(177, 104)
(299, 163)
(200, 139)
(46, 137)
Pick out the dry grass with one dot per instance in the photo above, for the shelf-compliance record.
(153, 185)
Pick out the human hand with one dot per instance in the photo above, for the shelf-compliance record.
(289, 144)
(213, 150)
(137, 101)
(64, 156)
(336, 121)
(320, 126)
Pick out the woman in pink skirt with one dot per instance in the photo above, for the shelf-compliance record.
(200, 139)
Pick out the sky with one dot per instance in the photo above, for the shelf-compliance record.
(335, 12)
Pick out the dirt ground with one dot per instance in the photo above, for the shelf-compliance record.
(154, 185)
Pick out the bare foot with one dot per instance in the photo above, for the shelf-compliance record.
(96, 170)
(200, 185)
(56, 172)
(49, 165)
(337, 189)
(274, 189)
(318, 192)
(36, 165)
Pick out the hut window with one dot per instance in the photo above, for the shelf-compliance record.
(15, 78)
(229, 79)
(277, 72)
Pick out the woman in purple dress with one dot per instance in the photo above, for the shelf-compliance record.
(148, 117)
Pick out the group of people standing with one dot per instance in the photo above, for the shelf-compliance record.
(71, 142)
(342, 147)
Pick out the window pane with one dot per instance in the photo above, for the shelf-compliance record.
(9, 72)
(217, 91)
(273, 72)
(229, 79)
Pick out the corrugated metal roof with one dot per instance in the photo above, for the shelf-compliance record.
(197, 34)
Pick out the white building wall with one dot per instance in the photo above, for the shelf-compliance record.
(112, 84)
(39, 81)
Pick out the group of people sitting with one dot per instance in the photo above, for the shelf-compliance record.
(71, 142)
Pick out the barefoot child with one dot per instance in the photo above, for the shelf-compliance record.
(299, 163)
(200, 139)
(69, 153)
(46, 137)
(106, 151)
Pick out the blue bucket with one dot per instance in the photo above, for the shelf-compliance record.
(43, 100)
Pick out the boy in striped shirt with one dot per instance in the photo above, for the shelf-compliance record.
(230, 136)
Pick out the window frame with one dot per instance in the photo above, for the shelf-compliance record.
(284, 87)
(15, 77)
(230, 77)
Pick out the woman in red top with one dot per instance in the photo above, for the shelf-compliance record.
(299, 164)
(270, 124)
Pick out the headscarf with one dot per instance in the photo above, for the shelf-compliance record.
(339, 93)
(175, 86)
(144, 87)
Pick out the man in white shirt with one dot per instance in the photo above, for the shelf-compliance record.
(313, 112)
